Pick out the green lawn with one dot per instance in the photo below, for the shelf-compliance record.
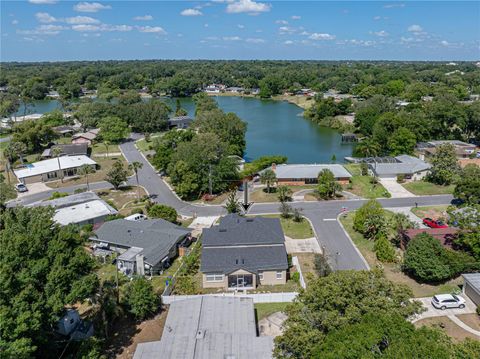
(100, 148)
(261, 196)
(144, 145)
(296, 230)
(430, 211)
(362, 186)
(393, 271)
(423, 188)
(263, 310)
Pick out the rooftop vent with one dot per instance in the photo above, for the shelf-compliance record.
(222, 230)
(250, 219)
(200, 334)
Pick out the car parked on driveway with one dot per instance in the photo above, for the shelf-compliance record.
(20, 187)
(432, 223)
(446, 301)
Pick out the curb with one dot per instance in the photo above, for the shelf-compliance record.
(351, 241)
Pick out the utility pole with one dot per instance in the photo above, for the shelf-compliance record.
(245, 192)
(210, 179)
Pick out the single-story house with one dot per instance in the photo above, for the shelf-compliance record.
(462, 149)
(240, 253)
(209, 327)
(64, 130)
(445, 236)
(471, 287)
(180, 122)
(49, 170)
(73, 149)
(80, 208)
(390, 167)
(7, 122)
(86, 137)
(300, 174)
(146, 246)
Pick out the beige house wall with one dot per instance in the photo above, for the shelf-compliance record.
(270, 278)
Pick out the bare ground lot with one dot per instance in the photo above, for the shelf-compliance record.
(450, 328)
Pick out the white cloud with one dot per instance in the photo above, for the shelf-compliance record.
(240, 26)
(317, 36)
(121, 28)
(247, 6)
(81, 20)
(391, 6)
(45, 17)
(415, 28)
(84, 28)
(286, 30)
(42, 2)
(14, 22)
(143, 18)
(90, 7)
(296, 17)
(281, 22)
(191, 12)
(152, 29)
(444, 43)
(377, 17)
(304, 33)
(288, 42)
(231, 38)
(255, 40)
(381, 33)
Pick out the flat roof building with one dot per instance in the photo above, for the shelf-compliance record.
(299, 174)
(209, 327)
(49, 170)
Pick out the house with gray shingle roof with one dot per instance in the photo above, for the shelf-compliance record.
(146, 246)
(301, 174)
(242, 252)
(390, 167)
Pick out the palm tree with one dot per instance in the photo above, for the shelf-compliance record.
(56, 152)
(135, 166)
(85, 170)
(268, 177)
(106, 143)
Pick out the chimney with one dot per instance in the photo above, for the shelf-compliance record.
(274, 166)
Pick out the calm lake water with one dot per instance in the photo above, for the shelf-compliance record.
(274, 128)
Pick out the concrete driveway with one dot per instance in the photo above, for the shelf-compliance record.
(308, 245)
(431, 311)
(407, 211)
(395, 188)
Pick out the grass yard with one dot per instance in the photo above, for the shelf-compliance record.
(304, 102)
(124, 199)
(100, 148)
(219, 199)
(434, 212)
(393, 270)
(263, 310)
(361, 185)
(423, 188)
(186, 222)
(448, 327)
(296, 230)
(307, 264)
(260, 195)
(104, 166)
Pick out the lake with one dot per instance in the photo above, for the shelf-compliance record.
(274, 128)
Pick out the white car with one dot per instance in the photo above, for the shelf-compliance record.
(20, 187)
(444, 301)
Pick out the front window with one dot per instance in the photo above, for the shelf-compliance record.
(51, 175)
(279, 275)
(260, 275)
(214, 277)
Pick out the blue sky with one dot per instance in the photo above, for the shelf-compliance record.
(50, 30)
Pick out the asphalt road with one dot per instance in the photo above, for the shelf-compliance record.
(340, 251)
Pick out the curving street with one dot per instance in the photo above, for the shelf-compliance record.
(340, 251)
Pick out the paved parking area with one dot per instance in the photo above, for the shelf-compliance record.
(308, 245)
(431, 311)
(34, 188)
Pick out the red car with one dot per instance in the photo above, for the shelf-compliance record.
(432, 223)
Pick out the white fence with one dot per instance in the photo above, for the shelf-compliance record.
(257, 297)
(296, 263)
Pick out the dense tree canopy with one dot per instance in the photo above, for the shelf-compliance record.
(43, 267)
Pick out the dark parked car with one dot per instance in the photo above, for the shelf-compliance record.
(432, 223)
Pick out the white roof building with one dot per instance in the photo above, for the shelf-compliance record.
(51, 165)
(305, 171)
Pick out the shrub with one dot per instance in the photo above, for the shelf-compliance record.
(162, 211)
(384, 250)
(426, 260)
(401, 178)
(185, 285)
(285, 210)
(80, 190)
(297, 215)
(141, 298)
(56, 195)
(296, 277)
(364, 169)
(136, 211)
(370, 220)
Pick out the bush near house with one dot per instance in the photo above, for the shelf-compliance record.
(141, 298)
(428, 261)
(162, 211)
